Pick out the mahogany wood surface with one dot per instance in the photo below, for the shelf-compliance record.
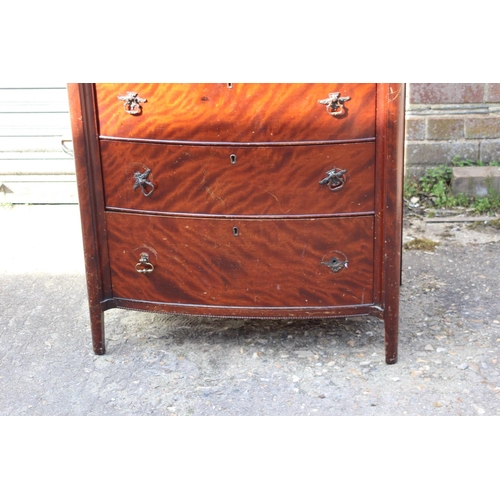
(268, 263)
(247, 112)
(244, 238)
(91, 203)
(215, 311)
(392, 121)
(262, 181)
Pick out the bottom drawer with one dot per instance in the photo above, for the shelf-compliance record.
(241, 262)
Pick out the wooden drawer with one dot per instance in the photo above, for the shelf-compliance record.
(275, 263)
(279, 180)
(244, 113)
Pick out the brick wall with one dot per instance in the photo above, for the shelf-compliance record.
(445, 120)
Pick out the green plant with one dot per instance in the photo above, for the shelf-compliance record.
(434, 190)
(459, 162)
(437, 184)
(411, 188)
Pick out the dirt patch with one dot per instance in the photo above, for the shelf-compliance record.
(421, 244)
(446, 228)
(489, 226)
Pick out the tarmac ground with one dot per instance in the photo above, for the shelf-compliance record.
(165, 365)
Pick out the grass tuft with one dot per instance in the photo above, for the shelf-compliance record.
(421, 244)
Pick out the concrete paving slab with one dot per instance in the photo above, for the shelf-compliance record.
(476, 181)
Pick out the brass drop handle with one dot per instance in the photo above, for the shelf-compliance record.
(132, 103)
(334, 104)
(335, 179)
(141, 180)
(144, 266)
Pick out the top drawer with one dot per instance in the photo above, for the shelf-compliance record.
(237, 112)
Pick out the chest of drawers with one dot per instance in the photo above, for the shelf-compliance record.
(241, 200)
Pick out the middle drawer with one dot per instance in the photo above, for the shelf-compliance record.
(274, 180)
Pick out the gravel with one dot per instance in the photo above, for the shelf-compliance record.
(172, 365)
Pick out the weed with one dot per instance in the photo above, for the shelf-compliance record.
(459, 162)
(435, 188)
(411, 188)
(437, 183)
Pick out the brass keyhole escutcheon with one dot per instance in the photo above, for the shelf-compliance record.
(335, 261)
(232, 159)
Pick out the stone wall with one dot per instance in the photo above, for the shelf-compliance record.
(446, 120)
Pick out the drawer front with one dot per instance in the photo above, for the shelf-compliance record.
(279, 180)
(244, 113)
(242, 262)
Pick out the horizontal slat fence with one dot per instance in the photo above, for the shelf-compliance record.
(36, 162)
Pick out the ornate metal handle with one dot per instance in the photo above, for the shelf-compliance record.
(335, 263)
(334, 104)
(132, 103)
(141, 179)
(335, 179)
(144, 266)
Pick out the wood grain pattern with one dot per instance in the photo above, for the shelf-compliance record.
(271, 263)
(245, 239)
(91, 203)
(256, 312)
(244, 113)
(263, 181)
(392, 119)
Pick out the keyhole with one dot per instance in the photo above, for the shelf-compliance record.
(229, 85)
(236, 231)
(233, 159)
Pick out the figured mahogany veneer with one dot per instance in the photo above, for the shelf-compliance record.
(246, 112)
(241, 200)
(261, 181)
(268, 264)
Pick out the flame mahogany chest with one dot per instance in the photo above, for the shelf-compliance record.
(241, 200)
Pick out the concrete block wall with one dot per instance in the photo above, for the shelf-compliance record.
(445, 120)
